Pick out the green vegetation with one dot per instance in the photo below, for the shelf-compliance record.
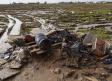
(4, 19)
(63, 13)
(82, 12)
(68, 28)
(33, 24)
(29, 29)
(99, 32)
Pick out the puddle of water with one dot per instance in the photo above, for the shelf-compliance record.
(93, 25)
(5, 46)
(9, 25)
(38, 12)
(16, 29)
(109, 28)
(1, 29)
(2, 15)
(3, 23)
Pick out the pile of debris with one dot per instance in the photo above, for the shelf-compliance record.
(82, 52)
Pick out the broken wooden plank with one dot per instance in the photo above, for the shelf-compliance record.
(30, 43)
(41, 51)
(91, 78)
(29, 47)
(32, 51)
(56, 44)
(103, 58)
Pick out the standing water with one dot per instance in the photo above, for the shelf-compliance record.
(15, 31)
(16, 28)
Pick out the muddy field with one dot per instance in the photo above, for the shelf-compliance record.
(77, 18)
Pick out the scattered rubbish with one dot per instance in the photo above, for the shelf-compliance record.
(91, 78)
(5, 41)
(28, 38)
(108, 52)
(104, 74)
(110, 59)
(80, 78)
(26, 74)
(107, 62)
(57, 71)
(51, 70)
(81, 52)
(47, 20)
(76, 76)
(69, 74)
(104, 57)
(108, 68)
(107, 45)
(6, 56)
(63, 32)
(75, 49)
(20, 55)
(31, 67)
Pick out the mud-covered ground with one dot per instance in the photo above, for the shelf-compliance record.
(61, 16)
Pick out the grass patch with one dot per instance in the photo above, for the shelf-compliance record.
(68, 28)
(31, 25)
(99, 32)
(82, 30)
(4, 19)
(29, 29)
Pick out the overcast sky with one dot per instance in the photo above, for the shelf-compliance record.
(42, 1)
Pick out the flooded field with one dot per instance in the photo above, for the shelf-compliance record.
(22, 20)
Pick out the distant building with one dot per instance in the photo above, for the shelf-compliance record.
(94, 2)
(104, 2)
(101, 2)
(14, 3)
(18, 3)
(34, 3)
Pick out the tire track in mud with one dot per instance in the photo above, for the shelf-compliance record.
(12, 23)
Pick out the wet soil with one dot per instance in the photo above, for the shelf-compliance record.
(41, 70)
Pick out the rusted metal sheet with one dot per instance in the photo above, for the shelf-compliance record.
(7, 73)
